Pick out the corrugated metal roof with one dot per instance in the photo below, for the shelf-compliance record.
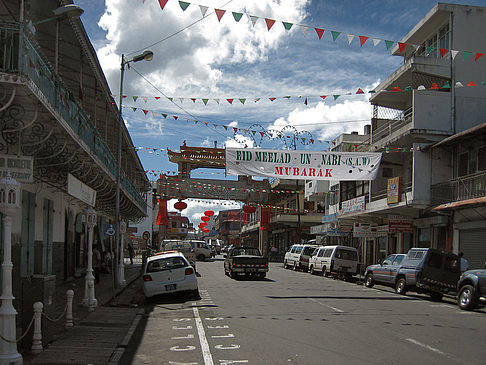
(458, 136)
(461, 204)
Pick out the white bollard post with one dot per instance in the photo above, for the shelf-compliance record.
(37, 337)
(69, 309)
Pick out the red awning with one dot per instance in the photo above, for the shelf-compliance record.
(461, 204)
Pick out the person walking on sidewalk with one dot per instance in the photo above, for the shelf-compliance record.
(131, 252)
(96, 264)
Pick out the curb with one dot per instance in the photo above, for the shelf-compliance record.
(120, 350)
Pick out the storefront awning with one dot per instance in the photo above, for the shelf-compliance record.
(461, 204)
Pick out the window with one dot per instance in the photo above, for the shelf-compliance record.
(451, 264)
(308, 250)
(298, 249)
(346, 254)
(166, 264)
(415, 255)
(398, 260)
(481, 159)
(328, 252)
(462, 168)
(388, 260)
(174, 224)
(321, 252)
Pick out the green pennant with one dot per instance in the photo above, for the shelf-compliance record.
(336, 96)
(135, 98)
(287, 97)
(205, 101)
(483, 83)
(446, 85)
(467, 54)
(164, 115)
(171, 99)
(335, 35)
(389, 44)
(242, 100)
(408, 88)
(253, 132)
(237, 16)
(134, 109)
(225, 127)
(195, 121)
(430, 50)
(183, 5)
(287, 26)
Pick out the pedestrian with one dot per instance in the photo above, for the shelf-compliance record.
(273, 252)
(464, 262)
(96, 264)
(131, 252)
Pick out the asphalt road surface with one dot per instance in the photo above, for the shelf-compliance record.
(297, 318)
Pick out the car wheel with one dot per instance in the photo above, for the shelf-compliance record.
(286, 266)
(195, 294)
(369, 281)
(311, 270)
(401, 287)
(232, 275)
(325, 272)
(201, 257)
(466, 299)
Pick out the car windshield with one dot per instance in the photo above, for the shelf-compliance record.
(167, 263)
(308, 250)
(246, 251)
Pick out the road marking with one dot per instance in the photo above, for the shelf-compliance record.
(182, 319)
(218, 327)
(214, 318)
(229, 335)
(230, 347)
(228, 362)
(189, 336)
(415, 342)
(208, 358)
(182, 363)
(185, 348)
(328, 306)
(182, 328)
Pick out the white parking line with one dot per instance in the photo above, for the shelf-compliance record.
(328, 306)
(415, 342)
(208, 358)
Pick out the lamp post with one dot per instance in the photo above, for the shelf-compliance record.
(9, 205)
(89, 290)
(121, 265)
(147, 56)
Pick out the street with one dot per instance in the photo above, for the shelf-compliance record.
(297, 318)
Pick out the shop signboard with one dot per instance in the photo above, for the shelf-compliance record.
(394, 190)
(353, 205)
(364, 230)
(398, 223)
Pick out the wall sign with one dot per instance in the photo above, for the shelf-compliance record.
(394, 190)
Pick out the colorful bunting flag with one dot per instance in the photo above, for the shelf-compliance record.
(478, 55)
(183, 5)
(253, 19)
(319, 32)
(389, 44)
(219, 13)
(163, 3)
(335, 35)
(362, 40)
(203, 9)
(287, 25)
(270, 23)
(237, 16)
(401, 46)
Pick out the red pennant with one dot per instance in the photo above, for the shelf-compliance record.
(396, 88)
(124, 96)
(175, 117)
(401, 46)
(157, 97)
(270, 23)
(219, 13)
(319, 32)
(162, 3)
(230, 101)
(193, 100)
(312, 141)
(31, 64)
(363, 39)
(145, 111)
(262, 133)
(443, 52)
(272, 99)
(206, 123)
(478, 55)
(305, 101)
(434, 86)
(235, 129)
(472, 83)
(360, 91)
(323, 96)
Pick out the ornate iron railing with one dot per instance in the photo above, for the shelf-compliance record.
(461, 188)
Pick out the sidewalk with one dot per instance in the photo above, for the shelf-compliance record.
(97, 337)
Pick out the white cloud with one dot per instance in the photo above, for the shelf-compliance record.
(196, 208)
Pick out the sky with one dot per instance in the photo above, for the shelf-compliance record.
(279, 80)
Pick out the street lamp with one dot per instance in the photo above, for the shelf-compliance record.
(9, 205)
(144, 56)
(121, 265)
(89, 290)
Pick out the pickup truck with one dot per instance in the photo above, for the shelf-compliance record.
(424, 271)
(471, 289)
(245, 261)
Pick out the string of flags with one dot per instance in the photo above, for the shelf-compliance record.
(334, 35)
(306, 99)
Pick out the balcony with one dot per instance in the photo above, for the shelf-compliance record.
(22, 63)
(462, 188)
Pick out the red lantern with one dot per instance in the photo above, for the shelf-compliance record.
(249, 209)
(209, 213)
(205, 218)
(205, 230)
(203, 224)
(180, 205)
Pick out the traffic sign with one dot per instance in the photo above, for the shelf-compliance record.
(132, 236)
(146, 235)
(109, 229)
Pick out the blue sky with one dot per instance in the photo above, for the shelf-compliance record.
(229, 59)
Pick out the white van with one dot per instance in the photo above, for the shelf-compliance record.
(201, 249)
(297, 257)
(183, 247)
(336, 260)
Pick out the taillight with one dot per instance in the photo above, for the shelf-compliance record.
(189, 271)
(146, 278)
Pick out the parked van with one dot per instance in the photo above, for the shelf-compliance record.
(297, 257)
(336, 260)
(201, 249)
(181, 246)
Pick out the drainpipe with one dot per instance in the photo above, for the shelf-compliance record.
(453, 77)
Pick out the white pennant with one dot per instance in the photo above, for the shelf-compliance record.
(304, 29)
(181, 99)
(350, 38)
(256, 100)
(376, 41)
(216, 100)
(204, 9)
(145, 99)
(253, 19)
(454, 53)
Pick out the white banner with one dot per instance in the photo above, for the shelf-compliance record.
(303, 165)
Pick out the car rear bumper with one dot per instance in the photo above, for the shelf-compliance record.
(151, 288)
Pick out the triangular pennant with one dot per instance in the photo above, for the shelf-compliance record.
(287, 25)
(362, 40)
(235, 129)
(242, 100)
(262, 134)
(376, 41)
(396, 88)
(350, 38)
(270, 23)
(253, 19)
(225, 127)
(205, 101)
(219, 13)
(467, 54)
(304, 29)
(184, 5)
(217, 100)
(164, 115)
(454, 53)
(360, 91)
(134, 109)
(256, 100)
(175, 117)
(478, 55)
(154, 114)
(157, 97)
(408, 88)
(323, 96)
(135, 98)
(237, 16)
(145, 111)
(204, 10)
(182, 100)
(162, 3)
(335, 35)
(446, 85)
(434, 86)
(401, 46)
(430, 50)
(230, 101)
(195, 121)
(472, 83)
(193, 100)
(389, 44)
(319, 32)
(443, 52)
(272, 99)
(305, 101)
(171, 99)
(336, 96)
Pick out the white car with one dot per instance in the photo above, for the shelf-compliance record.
(169, 272)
